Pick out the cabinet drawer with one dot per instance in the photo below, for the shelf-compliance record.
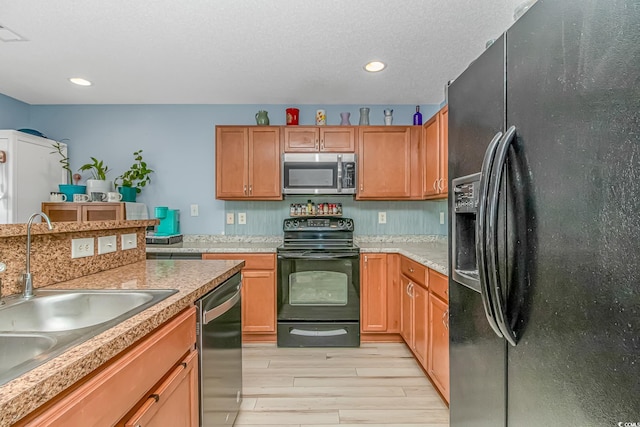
(413, 270)
(251, 261)
(108, 396)
(175, 401)
(439, 284)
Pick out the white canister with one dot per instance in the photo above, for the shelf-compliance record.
(321, 117)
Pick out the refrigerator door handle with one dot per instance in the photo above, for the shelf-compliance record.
(481, 230)
(497, 293)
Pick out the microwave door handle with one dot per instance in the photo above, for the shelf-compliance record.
(339, 188)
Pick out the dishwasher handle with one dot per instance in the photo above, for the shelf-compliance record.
(221, 309)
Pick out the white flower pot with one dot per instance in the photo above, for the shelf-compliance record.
(99, 185)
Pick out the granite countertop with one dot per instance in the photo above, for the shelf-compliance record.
(431, 251)
(192, 279)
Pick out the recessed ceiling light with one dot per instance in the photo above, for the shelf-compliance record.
(375, 66)
(80, 81)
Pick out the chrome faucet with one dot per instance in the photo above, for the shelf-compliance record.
(26, 276)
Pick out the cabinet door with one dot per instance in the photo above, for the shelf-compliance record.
(444, 150)
(394, 293)
(406, 309)
(373, 301)
(103, 212)
(438, 360)
(258, 301)
(431, 158)
(384, 163)
(301, 139)
(175, 401)
(232, 159)
(338, 139)
(264, 163)
(420, 323)
(62, 212)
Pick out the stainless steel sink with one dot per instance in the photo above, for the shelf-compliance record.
(36, 330)
(52, 311)
(15, 349)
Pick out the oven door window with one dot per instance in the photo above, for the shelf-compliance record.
(318, 288)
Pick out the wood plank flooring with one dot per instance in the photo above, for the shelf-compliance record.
(374, 385)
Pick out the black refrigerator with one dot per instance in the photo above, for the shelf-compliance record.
(544, 205)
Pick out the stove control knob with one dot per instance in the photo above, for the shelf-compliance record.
(348, 224)
(296, 223)
(287, 224)
(340, 223)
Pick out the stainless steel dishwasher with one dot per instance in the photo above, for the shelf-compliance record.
(220, 354)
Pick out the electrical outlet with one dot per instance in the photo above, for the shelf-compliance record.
(242, 218)
(82, 247)
(106, 244)
(129, 241)
(194, 210)
(382, 217)
(441, 217)
(230, 219)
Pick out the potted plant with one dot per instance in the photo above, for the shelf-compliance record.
(136, 178)
(98, 182)
(67, 188)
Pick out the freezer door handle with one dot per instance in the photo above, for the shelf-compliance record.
(495, 289)
(481, 231)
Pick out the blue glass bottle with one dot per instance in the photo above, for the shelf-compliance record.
(417, 117)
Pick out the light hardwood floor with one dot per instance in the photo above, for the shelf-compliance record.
(374, 385)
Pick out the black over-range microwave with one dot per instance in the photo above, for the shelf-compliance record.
(319, 173)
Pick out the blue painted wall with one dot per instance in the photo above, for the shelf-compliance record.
(178, 143)
(14, 114)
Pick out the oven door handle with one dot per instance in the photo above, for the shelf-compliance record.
(315, 256)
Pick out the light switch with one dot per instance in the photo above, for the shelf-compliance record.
(106, 244)
(230, 219)
(382, 217)
(129, 241)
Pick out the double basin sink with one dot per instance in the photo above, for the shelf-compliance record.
(36, 330)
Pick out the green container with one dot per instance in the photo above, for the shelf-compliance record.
(128, 193)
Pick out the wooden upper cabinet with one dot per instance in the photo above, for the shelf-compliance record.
(388, 163)
(264, 163)
(435, 155)
(248, 163)
(309, 139)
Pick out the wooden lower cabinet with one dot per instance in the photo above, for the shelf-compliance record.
(379, 297)
(414, 327)
(81, 212)
(438, 350)
(124, 385)
(258, 294)
(167, 404)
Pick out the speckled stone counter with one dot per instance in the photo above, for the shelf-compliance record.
(432, 251)
(192, 279)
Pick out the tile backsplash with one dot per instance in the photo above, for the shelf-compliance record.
(403, 217)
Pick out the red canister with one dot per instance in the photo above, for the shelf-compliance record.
(292, 116)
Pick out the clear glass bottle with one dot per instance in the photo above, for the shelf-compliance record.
(417, 117)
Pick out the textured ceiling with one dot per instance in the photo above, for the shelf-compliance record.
(242, 51)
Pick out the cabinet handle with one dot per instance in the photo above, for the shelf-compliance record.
(434, 185)
(440, 187)
(250, 189)
(245, 189)
(365, 261)
(407, 289)
(322, 144)
(316, 144)
(410, 269)
(445, 319)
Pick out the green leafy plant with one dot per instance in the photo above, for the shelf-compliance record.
(138, 175)
(64, 161)
(98, 169)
